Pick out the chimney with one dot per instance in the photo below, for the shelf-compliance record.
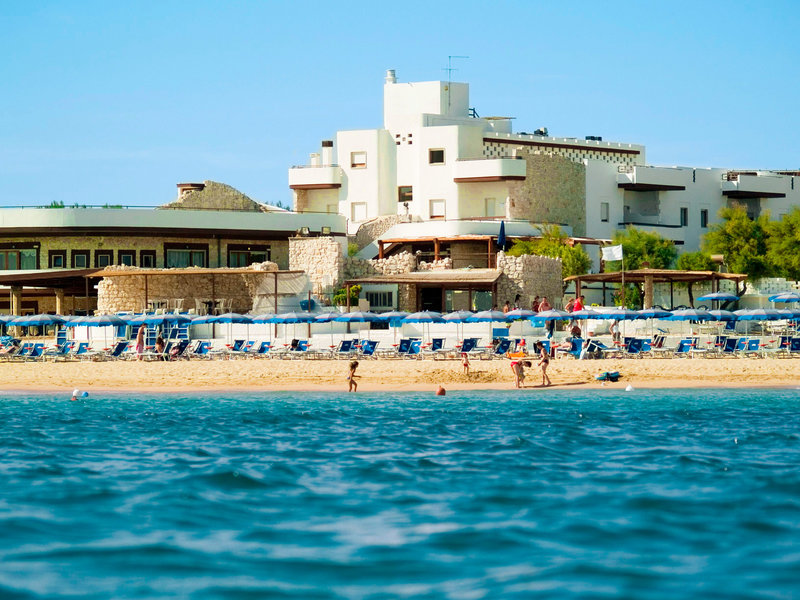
(390, 76)
(327, 153)
(313, 159)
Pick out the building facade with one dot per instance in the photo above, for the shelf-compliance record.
(446, 172)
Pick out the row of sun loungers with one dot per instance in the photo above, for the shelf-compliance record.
(412, 348)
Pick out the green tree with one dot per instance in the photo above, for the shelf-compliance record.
(340, 296)
(742, 242)
(640, 247)
(555, 244)
(783, 245)
(695, 261)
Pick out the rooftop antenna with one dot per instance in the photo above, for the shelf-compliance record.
(450, 70)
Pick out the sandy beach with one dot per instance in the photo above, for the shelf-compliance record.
(385, 375)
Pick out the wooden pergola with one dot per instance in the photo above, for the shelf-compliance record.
(648, 277)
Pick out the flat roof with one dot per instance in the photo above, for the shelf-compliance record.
(658, 276)
(111, 272)
(67, 279)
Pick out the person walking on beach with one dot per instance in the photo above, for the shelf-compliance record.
(544, 362)
(351, 377)
(140, 341)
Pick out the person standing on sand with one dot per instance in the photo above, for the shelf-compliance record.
(140, 342)
(544, 362)
(465, 362)
(351, 377)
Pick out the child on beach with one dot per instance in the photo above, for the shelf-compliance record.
(518, 369)
(544, 362)
(351, 377)
(465, 362)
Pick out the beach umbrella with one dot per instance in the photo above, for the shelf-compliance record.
(327, 317)
(654, 313)
(501, 236)
(37, 320)
(102, 321)
(758, 314)
(4, 319)
(264, 318)
(785, 297)
(520, 313)
(358, 316)
(293, 318)
(690, 314)
(425, 316)
(489, 316)
(458, 317)
(230, 318)
(552, 315)
(586, 313)
(623, 314)
(719, 297)
(722, 315)
(395, 319)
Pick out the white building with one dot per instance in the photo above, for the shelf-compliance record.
(438, 171)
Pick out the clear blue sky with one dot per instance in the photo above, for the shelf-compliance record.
(116, 102)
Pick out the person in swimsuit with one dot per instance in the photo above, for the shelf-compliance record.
(465, 362)
(351, 377)
(140, 341)
(518, 369)
(544, 362)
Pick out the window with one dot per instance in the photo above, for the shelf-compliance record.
(358, 160)
(57, 259)
(703, 218)
(126, 257)
(12, 259)
(241, 255)
(380, 299)
(103, 258)
(185, 255)
(494, 207)
(437, 209)
(405, 193)
(684, 216)
(358, 211)
(604, 212)
(80, 259)
(436, 156)
(147, 259)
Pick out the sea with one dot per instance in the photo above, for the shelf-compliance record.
(504, 494)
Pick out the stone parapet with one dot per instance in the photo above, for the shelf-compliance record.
(322, 260)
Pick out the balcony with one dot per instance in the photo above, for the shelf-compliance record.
(472, 170)
(647, 179)
(315, 178)
(750, 185)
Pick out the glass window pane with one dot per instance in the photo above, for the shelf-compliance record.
(198, 258)
(2, 261)
(178, 259)
(126, 259)
(13, 261)
(28, 259)
(81, 261)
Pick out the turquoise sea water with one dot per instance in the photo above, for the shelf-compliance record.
(601, 494)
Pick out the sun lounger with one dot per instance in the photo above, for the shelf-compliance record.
(368, 348)
(414, 349)
(501, 349)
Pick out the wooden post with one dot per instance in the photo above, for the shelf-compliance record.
(489, 249)
(275, 325)
(435, 249)
(86, 286)
(380, 249)
(648, 291)
(146, 299)
(347, 294)
(59, 302)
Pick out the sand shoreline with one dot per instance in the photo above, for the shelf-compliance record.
(389, 375)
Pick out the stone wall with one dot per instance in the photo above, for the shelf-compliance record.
(469, 254)
(215, 196)
(529, 275)
(127, 292)
(322, 260)
(371, 230)
(436, 265)
(403, 262)
(554, 191)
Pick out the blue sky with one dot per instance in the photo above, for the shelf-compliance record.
(115, 102)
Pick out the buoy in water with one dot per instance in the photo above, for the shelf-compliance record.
(629, 388)
(440, 391)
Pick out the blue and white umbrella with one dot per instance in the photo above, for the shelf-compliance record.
(690, 314)
(623, 314)
(654, 313)
(425, 316)
(521, 313)
(785, 297)
(358, 316)
(488, 316)
(459, 317)
(719, 297)
(263, 318)
(758, 314)
(586, 313)
(395, 319)
(43, 320)
(722, 315)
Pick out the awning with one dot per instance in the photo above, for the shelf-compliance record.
(657, 276)
(449, 277)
